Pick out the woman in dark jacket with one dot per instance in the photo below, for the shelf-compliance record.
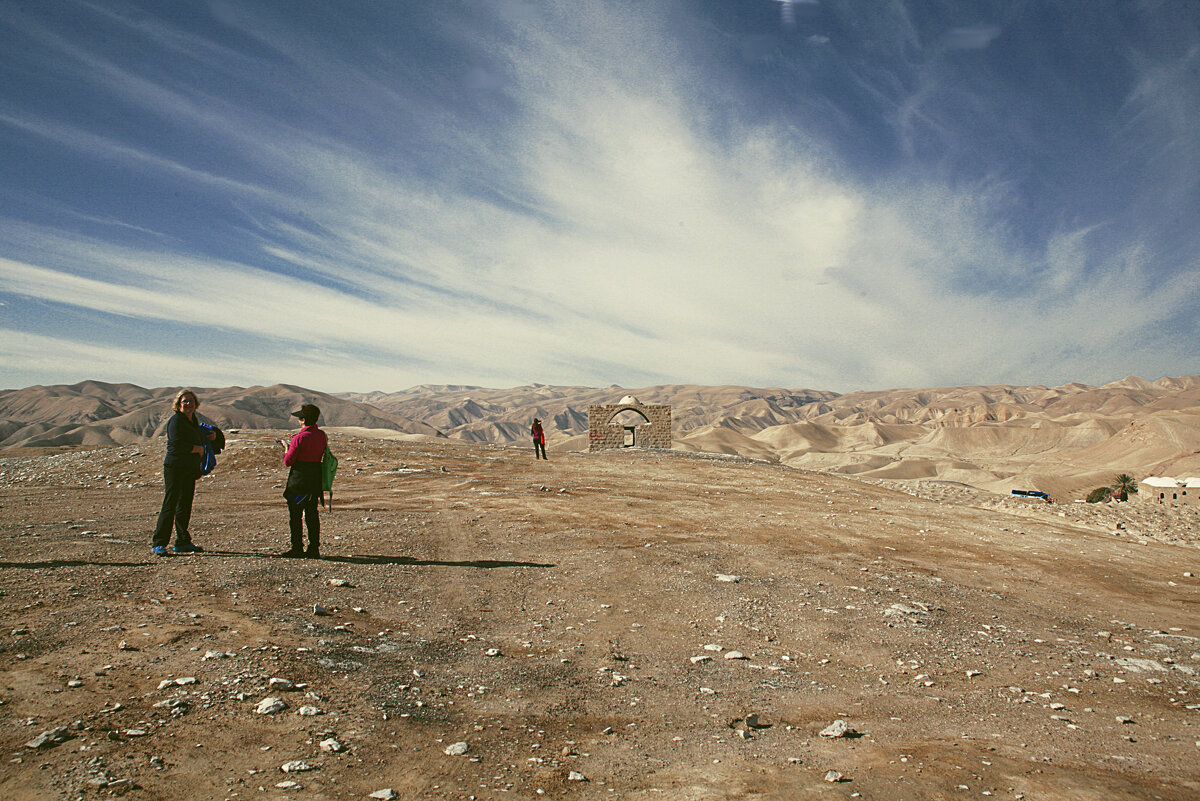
(181, 468)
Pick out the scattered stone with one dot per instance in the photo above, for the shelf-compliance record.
(904, 610)
(576, 776)
(165, 683)
(735, 655)
(728, 578)
(839, 728)
(755, 722)
(295, 766)
(172, 704)
(833, 777)
(698, 659)
(309, 711)
(387, 794)
(289, 785)
(1124, 719)
(492, 652)
(457, 749)
(714, 647)
(320, 611)
(269, 706)
(332, 746)
(124, 646)
(50, 738)
(214, 655)
(973, 673)
(338, 582)
(283, 685)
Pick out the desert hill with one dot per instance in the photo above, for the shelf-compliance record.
(96, 414)
(480, 414)
(1063, 440)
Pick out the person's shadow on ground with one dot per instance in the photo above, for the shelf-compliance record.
(370, 559)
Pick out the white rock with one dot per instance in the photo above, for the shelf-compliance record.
(457, 749)
(839, 728)
(833, 777)
(338, 582)
(728, 578)
(334, 747)
(576, 776)
(269, 706)
(735, 655)
(698, 659)
(214, 655)
(280, 684)
(49, 738)
(295, 766)
(492, 652)
(308, 711)
(290, 786)
(387, 794)
(714, 647)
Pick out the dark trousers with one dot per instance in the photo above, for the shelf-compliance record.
(179, 488)
(301, 513)
(539, 450)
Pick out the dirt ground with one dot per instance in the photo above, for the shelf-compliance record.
(632, 625)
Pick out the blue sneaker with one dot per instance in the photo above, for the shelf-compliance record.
(189, 548)
(159, 550)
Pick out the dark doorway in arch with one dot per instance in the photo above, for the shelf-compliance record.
(630, 420)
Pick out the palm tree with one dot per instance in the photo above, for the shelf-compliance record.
(1123, 485)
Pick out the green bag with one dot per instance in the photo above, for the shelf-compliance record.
(328, 471)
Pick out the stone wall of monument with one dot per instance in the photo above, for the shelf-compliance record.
(603, 434)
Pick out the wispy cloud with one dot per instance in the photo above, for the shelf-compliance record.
(594, 211)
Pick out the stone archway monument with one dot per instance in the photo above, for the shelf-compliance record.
(653, 430)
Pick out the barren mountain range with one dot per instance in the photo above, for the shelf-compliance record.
(1063, 439)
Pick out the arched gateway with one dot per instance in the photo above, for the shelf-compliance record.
(606, 432)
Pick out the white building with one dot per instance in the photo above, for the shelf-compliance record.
(1161, 489)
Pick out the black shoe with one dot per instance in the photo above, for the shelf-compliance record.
(294, 553)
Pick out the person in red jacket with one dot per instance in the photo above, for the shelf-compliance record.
(539, 440)
(303, 488)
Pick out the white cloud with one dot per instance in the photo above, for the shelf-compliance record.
(637, 243)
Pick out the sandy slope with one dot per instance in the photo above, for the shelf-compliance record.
(1065, 440)
(575, 616)
(94, 413)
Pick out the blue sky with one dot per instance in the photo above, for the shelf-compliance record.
(373, 195)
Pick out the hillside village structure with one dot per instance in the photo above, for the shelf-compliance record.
(1161, 489)
(654, 430)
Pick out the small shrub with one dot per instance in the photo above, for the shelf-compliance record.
(1099, 495)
